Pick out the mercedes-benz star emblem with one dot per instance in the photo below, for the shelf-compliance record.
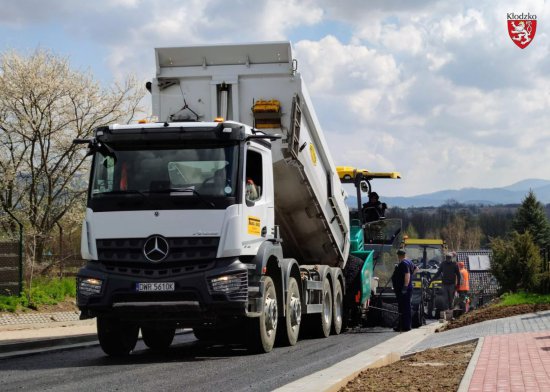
(155, 248)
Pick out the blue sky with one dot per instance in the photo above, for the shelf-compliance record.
(434, 89)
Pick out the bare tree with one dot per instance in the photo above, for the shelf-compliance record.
(44, 105)
(453, 232)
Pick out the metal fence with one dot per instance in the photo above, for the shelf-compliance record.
(545, 269)
(10, 268)
(483, 285)
(62, 265)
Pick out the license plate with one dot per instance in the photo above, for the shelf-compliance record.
(161, 286)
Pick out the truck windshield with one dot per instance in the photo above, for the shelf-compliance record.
(203, 171)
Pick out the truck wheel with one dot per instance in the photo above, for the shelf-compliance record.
(116, 338)
(320, 324)
(262, 330)
(157, 338)
(292, 321)
(337, 308)
(352, 274)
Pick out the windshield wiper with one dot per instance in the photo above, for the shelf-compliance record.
(121, 192)
(128, 192)
(184, 190)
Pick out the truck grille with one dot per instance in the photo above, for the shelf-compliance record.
(184, 249)
(158, 270)
(236, 288)
(154, 297)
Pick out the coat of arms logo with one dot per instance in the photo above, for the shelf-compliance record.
(522, 28)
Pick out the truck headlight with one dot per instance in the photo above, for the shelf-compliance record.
(226, 283)
(89, 286)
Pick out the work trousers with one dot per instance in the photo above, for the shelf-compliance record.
(404, 309)
(448, 295)
(462, 300)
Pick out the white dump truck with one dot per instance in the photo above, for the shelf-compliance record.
(225, 214)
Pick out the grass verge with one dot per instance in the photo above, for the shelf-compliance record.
(44, 291)
(523, 299)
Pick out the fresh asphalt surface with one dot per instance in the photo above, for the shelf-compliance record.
(188, 365)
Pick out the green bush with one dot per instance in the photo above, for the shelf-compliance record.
(543, 282)
(43, 292)
(516, 262)
(9, 304)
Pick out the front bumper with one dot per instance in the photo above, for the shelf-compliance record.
(195, 299)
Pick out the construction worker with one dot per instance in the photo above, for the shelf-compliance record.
(402, 286)
(450, 279)
(463, 287)
(374, 210)
(251, 190)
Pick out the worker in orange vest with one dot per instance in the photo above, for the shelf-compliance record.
(463, 287)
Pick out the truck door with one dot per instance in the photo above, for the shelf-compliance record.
(258, 210)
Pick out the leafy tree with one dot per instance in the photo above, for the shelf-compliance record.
(516, 262)
(44, 105)
(496, 221)
(531, 216)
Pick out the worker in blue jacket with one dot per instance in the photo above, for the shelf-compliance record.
(402, 286)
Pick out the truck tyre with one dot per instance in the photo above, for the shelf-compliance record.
(352, 274)
(116, 338)
(157, 338)
(290, 325)
(262, 330)
(337, 308)
(319, 325)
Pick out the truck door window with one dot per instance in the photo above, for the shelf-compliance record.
(104, 173)
(254, 176)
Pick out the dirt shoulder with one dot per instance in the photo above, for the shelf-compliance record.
(439, 369)
(432, 370)
(493, 312)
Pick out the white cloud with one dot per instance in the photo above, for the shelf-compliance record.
(461, 27)
(336, 68)
(405, 39)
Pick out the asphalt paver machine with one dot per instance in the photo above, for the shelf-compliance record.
(375, 242)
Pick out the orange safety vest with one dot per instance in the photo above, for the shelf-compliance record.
(464, 280)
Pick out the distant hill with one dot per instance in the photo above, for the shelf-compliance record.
(511, 194)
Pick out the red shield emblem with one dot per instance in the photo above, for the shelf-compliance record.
(522, 31)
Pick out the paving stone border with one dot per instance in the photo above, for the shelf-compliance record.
(38, 318)
(530, 322)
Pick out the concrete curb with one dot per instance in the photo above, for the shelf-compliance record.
(52, 324)
(338, 375)
(467, 378)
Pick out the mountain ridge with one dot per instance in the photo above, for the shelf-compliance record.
(510, 194)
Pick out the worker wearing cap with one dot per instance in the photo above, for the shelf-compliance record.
(464, 286)
(402, 285)
(450, 278)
